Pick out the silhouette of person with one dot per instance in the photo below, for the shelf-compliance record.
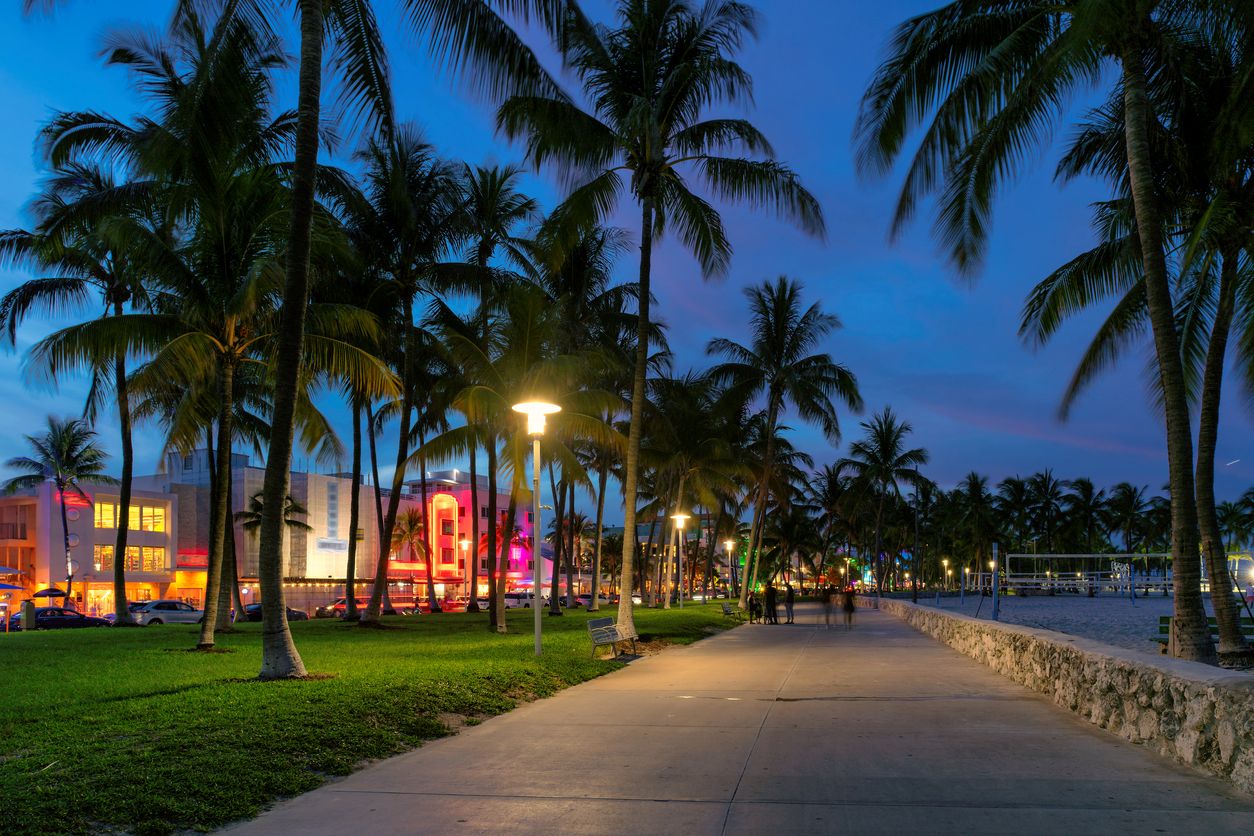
(849, 607)
(772, 604)
(790, 597)
(829, 592)
(755, 608)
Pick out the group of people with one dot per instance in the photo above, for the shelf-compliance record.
(765, 609)
(847, 604)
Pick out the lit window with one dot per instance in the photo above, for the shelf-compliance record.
(446, 527)
(102, 555)
(446, 556)
(154, 558)
(132, 559)
(106, 515)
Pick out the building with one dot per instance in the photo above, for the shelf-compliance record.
(33, 544)
(168, 542)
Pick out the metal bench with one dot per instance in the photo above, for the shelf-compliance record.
(603, 631)
(1164, 630)
(733, 612)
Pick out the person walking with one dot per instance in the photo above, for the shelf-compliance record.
(849, 607)
(772, 605)
(828, 593)
(755, 608)
(790, 598)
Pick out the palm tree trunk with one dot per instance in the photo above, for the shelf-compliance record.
(1191, 631)
(379, 588)
(559, 542)
(571, 540)
(511, 518)
(879, 547)
(228, 590)
(279, 657)
(602, 478)
(427, 534)
(759, 511)
(354, 520)
(636, 429)
(221, 505)
(121, 613)
(1227, 612)
(473, 606)
(496, 586)
(651, 552)
(709, 555)
(65, 539)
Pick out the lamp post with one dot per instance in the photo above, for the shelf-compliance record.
(962, 590)
(996, 585)
(945, 563)
(731, 566)
(536, 412)
(679, 518)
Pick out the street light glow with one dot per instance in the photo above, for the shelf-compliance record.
(535, 412)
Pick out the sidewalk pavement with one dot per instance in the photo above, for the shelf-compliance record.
(778, 729)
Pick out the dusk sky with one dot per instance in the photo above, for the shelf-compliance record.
(944, 354)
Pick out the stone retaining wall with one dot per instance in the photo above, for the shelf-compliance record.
(1196, 714)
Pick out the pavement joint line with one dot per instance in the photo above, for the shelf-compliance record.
(943, 804)
(801, 652)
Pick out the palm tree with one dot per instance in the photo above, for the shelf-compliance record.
(879, 463)
(975, 512)
(779, 366)
(1085, 507)
(989, 76)
(250, 517)
(411, 530)
(66, 455)
(464, 33)
(72, 242)
(649, 83)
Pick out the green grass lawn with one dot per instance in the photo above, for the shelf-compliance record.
(123, 730)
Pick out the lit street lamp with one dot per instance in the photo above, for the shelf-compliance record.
(536, 412)
(679, 518)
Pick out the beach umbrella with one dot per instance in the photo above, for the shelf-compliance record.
(49, 593)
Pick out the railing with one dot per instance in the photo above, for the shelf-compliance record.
(12, 531)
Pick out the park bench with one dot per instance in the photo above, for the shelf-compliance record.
(735, 613)
(603, 631)
(1164, 629)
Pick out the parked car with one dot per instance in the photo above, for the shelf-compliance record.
(57, 618)
(335, 609)
(167, 612)
(521, 600)
(586, 601)
(252, 612)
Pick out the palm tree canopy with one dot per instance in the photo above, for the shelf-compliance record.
(66, 454)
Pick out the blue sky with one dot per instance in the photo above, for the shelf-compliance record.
(945, 354)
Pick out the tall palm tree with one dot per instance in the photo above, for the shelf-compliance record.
(1126, 507)
(1085, 506)
(650, 82)
(66, 455)
(782, 366)
(73, 244)
(976, 515)
(1207, 177)
(879, 462)
(988, 76)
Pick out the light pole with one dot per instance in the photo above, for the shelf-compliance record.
(962, 590)
(680, 519)
(992, 564)
(536, 412)
(731, 569)
(945, 563)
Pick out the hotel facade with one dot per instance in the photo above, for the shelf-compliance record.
(168, 539)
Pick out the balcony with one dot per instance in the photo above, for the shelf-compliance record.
(12, 531)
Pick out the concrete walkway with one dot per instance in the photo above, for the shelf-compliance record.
(788, 729)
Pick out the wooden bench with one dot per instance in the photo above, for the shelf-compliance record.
(733, 612)
(1164, 630)
(603, 631)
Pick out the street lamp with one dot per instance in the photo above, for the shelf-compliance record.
(945, 563)
(679, 518)
(536, 412)
(465, 546)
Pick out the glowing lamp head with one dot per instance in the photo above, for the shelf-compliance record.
(680, 519)
(535, 412)
(464, 543)
(966, 570)
(992, 564)
(728, 544)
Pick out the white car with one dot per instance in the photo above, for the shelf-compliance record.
(167, 612)
(521, 600)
